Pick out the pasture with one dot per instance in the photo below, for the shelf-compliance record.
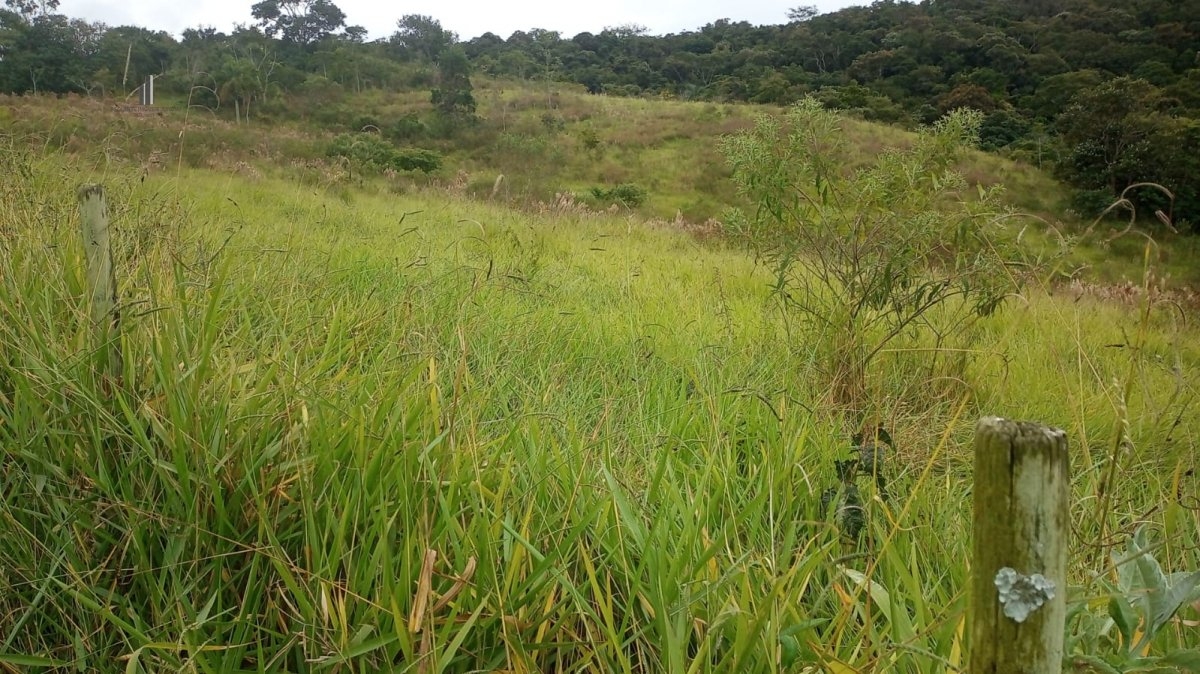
(366, 431)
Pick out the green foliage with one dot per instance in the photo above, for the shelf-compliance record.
(1123, 132)
(310, 412)
(408, 127)
(45, 53)
(452, 98)
(32, 8)
(421, 37)
(298, 21)
(590, 139)
(898, 63)
(370, 152)
(867, 255)
(1001, 128)
(967, 95)
(1140, 604)
(552, 122)
(626, 194)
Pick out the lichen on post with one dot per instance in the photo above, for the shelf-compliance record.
(1021, 535)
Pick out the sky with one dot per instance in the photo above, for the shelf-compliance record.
(468, 18)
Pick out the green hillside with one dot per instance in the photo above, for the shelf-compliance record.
(536, 149)
(1100, 92)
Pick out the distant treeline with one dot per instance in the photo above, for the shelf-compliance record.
(1107, 92)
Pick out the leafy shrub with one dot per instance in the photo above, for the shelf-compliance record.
(1002, 128)
(365, 123)
(318, 89)
(626, 194)
(869, 255)
(417, 159)
(553, 122)
(1142, 602)
(1088, 204)
(332, 116)
(590, 139)
(407, 127)
(370, 152)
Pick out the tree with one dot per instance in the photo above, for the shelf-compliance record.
(127, 54)
(452, 97)
(1122, 133)
(422, 37)
(32, 8)
(970, 96)
(48, 53)
(802, 13)
(868, 255)
(1108, 129)
(302, 22)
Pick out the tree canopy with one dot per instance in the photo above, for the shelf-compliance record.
(299, 21)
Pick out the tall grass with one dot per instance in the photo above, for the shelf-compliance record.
(423, 434)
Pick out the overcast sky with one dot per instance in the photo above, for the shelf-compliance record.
(468, 18)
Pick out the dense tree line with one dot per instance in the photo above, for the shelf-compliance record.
(1105, 91)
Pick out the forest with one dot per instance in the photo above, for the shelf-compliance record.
(1106, 93)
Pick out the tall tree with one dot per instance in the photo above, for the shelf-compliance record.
(452, 97)
(48, 53)
(421, 37)
(32, 8)
(127, 54)
(1107, 129)
(302, 22)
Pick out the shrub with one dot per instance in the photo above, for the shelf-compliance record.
(1090, 203)
(365, 123)
(370, 152)
(417, 159)
(590, 139)
(869, 255)
(407, 127)
(627, 194)
(553, 122)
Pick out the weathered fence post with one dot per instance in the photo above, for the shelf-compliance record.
(101, 279)
(1019, 563)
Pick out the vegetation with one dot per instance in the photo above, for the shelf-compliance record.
(1034, 68)
(368, 152)
(869, 256)
(333, 447)
(432, 361)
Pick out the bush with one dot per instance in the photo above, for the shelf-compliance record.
(627, 194)
(371, 153)
(1002, 128)
(407, 127)
(590, 139)
(1089, 204)
(553, 122)
(869, 255)
(416, 159)
(365, 123)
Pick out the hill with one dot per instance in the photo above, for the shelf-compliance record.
(1042, 72)
(536, 148)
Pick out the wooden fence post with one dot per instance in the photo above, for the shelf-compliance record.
(1019, 563)
(101, 279)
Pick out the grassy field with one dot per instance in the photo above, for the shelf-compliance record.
(552, 147)
(363, 430)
